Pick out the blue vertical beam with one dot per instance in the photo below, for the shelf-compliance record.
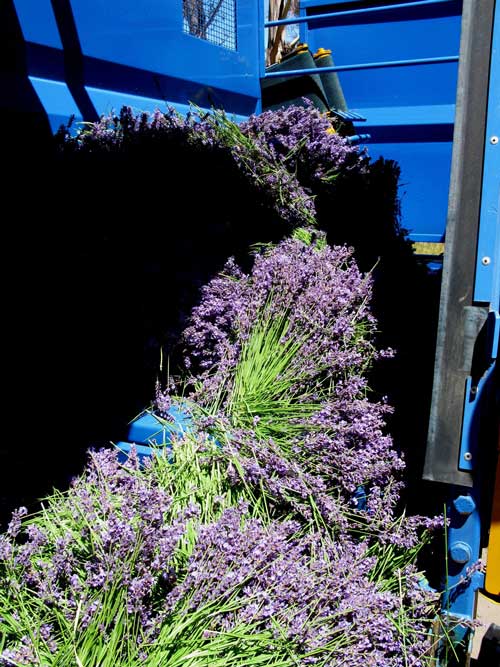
(487, 284)
(262, 41)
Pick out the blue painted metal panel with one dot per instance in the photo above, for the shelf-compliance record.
(487, 288)
(147, 432)
(425, 173)
(147, 428)
(106, 101)
(409, 109)
(397, 40)
(124, 449)
(149, 35)
(384, 6)
(478, 394)
(37, 22)
(428, 116)
(138, 54)
(57, 100)
(389, 40)
(388, 11)
(464, 537)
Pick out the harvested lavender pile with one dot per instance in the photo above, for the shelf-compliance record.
(269, 533)
(357, 203)
(280, 356)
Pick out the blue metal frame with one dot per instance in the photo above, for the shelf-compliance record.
(311, 18)
(403, 85)
(487, 287)
(464, 534)
(349, 68)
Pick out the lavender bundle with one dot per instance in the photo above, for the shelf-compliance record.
(200, 135)
(271, 534)
(245, 545)
(305, 141)
(280, 355)
(170, 565)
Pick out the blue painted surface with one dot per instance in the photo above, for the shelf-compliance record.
(425, 173)
(37, 22)
(409, 110)
(148, 432)
(477, 396)
(138, 54)
(464, 539)
(494, 330)
(125, 448)
(149, 35)
(55, 95)
(382, 64)
(148, 428)
(106, 101)
(306, 4)
(487, 288)
(341, 14)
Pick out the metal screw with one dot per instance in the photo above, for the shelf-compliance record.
(473, 390)
(494, 139)
(486, 260)
(468, 456)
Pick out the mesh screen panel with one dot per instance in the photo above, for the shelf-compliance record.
(213, 20)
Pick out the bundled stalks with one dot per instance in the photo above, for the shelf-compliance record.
(271, 533)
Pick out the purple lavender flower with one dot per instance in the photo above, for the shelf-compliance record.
(321, 289)
(304, 140)
(271, 178)
(15, 523)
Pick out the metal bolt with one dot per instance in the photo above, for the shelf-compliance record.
(473, 390)
(460, 552)
(494, 139)
(464, 505)
(486, 260)
(468, 456)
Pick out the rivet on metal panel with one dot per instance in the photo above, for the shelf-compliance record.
(494, 140)
(486, 260)
(468, 456)
(460, 552)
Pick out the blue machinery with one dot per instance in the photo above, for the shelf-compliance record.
(426, 77)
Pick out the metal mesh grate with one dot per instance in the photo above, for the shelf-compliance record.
(213, 20)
